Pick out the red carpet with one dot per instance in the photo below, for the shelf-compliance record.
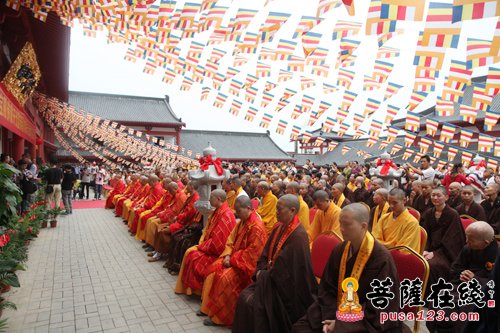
(85, 204)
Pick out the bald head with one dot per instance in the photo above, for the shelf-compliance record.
(219, 195)
(172, 187)
(383, 193)
(293, 188)
(456, 185)
(397, 193)
(264, 185)
(357, 211)
(290, 201)
(320, 196)
(338, 186)
(243, 201)
(481, 231)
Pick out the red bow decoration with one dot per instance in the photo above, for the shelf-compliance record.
(388, 164)
(481, 164)
(205, 162)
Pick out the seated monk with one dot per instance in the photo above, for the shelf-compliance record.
(445, 236)
(475, 261)
(136, 199)
(267, 207)
(294, 188)
(284, 282)
(154, 195)
(363, 258)
(398, 227)
(326, 218)
(469, 206)
(338, 195)
(133, 187)
(381, 206)
(147, 214)
(179, 207)
(232, 272)
(119, 188)
(198, 258)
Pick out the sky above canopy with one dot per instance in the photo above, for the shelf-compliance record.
(99, 66)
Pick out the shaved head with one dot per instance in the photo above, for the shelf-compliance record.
(291, 201)
(243, 201)
(397, 193)
(264, 185)
(339, 187)
(358, 211)
(481, 230)
(320, 195)
(219, 194)
(293, 188)
(383, 193)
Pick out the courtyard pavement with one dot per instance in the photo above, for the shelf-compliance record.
(90, 275)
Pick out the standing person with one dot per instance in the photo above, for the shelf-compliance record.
(85, 184)
(68, 181)
(99, 182)
(53, 177)
(425, 172)
(26, 184)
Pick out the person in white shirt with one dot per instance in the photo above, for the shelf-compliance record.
(99, 182)
(425, 172)
(489, 177)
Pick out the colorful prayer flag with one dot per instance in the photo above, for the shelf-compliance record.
(444, 108)
(251, 113)
(468, 113)
(392, 111)
(491, 119)
(295, 132)
(432, 126)
(412, 122)
(281, 127)
(409, 139)
(416, 98)
(465, 137)
(332, 145)
(452, 153)
(266, 120)
(474, 9)
(447, 132)
(485, 143)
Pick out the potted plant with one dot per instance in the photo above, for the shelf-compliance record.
(10, 195)
(53, 214)
(4, 304)
(8, 277)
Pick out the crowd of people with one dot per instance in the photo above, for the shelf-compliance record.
(250, 260)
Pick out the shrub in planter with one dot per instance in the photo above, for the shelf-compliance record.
(10, 195)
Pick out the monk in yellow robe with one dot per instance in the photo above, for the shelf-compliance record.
(380, 198)
(294, 188)
(238, 190)
(338, 195)
(230, 194)
(399, 227)
(267, 207)
(233, 271)
(326, 218)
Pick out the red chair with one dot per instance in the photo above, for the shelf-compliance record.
(467, 220)
(411, 265)
(423, 240)
(312, 214)
(255, 203)
(321, 249)
(414, 212)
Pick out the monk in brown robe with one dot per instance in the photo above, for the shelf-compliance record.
(423, 201)
(283, 280)
(445, 236)
(469, 206)
(455, 198)
(378, 264)
(491, 206)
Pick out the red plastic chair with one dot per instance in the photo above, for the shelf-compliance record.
(312, 214)
(255, 203)
(467, 220)
(321, 249)
(411, 265)
(415, 213)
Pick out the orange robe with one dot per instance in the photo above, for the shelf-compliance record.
(126, 195)
(212, 243)
(149, 202)
(186, 214)
(244, 246)
(118, 189)
(136, 200)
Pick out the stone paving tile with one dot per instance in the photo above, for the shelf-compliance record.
(89, 275)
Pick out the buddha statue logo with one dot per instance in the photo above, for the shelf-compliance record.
(349, 309)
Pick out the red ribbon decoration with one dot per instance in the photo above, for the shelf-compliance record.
(481, 164)
(205, 162)
(388, 164)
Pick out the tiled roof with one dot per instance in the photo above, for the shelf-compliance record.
(234, 145)
(126, 108)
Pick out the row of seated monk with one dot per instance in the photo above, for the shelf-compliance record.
(251, 260)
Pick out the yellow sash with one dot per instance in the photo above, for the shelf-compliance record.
(364, 253)
(341, 200)
(376, 214)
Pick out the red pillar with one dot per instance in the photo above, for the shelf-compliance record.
(18, 147)
(32, 151)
